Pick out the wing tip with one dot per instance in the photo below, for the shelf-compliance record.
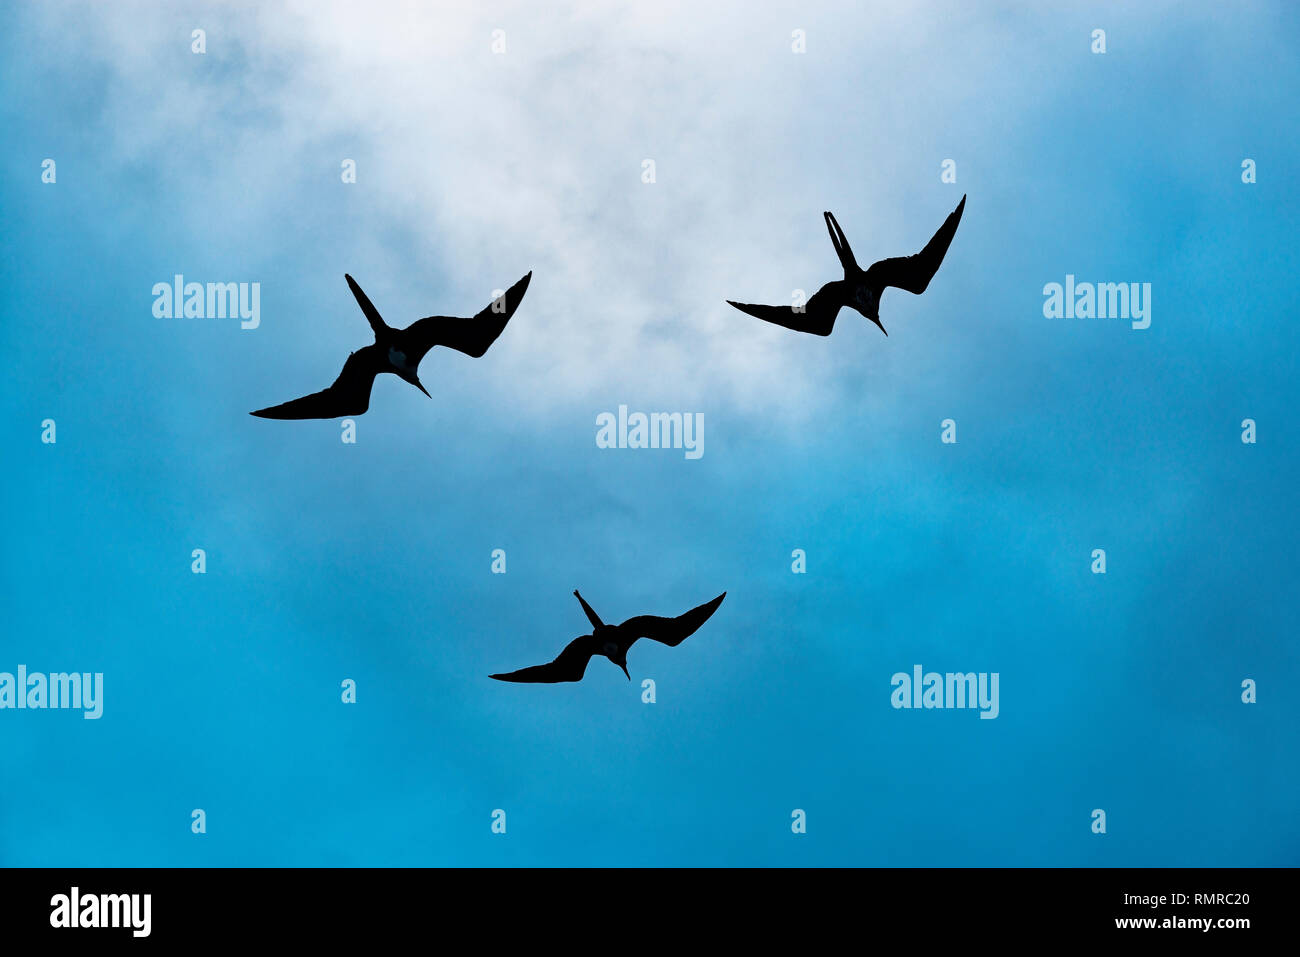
(709, 607)
(511, 677)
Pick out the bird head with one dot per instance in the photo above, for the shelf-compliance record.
(867, 302)
(414, 379)
(611, 650)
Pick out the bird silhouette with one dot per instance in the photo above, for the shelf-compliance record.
(613, 641)
(861, 289)
(399, 351)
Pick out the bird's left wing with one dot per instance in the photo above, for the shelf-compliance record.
(569, 665)
(817, 316)
(914, 273)
(349, 395)
(470, 336)
(669, 631)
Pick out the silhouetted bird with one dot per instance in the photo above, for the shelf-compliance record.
(399, 351)
(861, 289)
(613, 641)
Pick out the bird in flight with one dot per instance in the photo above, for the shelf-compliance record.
(613, 641)
(399, 351)
(861, 289)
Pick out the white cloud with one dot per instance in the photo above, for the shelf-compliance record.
(490, 165)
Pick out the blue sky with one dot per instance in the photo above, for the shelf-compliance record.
(371, 561)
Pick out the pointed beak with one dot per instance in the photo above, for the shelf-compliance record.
(882, 328)
(626, 672)
(419, 385)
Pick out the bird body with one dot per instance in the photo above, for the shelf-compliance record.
(860, 289)
(399, 351)
(398, 359)
(613, 642)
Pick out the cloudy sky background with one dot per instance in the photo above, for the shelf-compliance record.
(371, 562)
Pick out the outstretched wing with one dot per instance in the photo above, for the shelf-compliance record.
(914, 273)
(668, 631)
(470, 336)
(349, 395)
(569, 665)
(818, 316)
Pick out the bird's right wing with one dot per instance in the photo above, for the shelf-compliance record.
(670, 631)
(349, 395)
(569, 665)
(470, 336)
(818, 315)
(914, 273)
